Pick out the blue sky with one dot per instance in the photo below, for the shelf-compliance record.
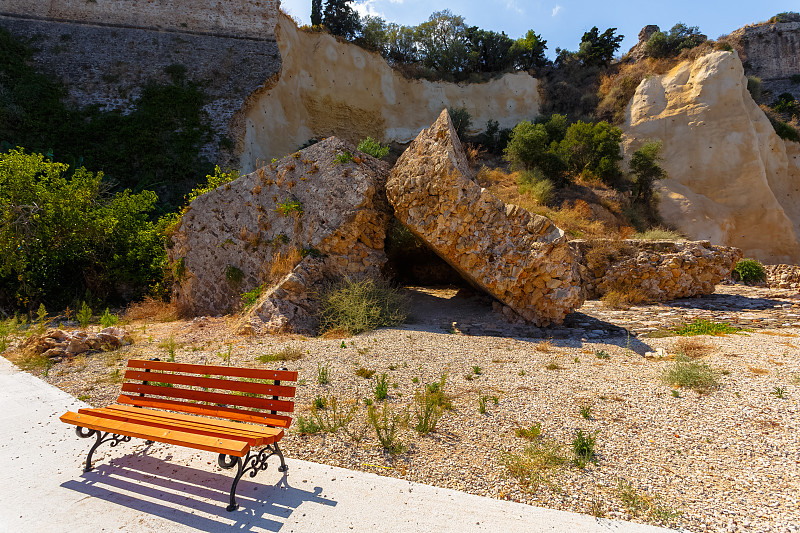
(562, 22)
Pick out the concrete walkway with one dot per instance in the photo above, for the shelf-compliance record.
(140, 488)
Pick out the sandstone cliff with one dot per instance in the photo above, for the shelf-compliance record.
(732, 180)
(326, 87)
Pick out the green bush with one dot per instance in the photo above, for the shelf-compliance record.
(462, 121)
(680, 37)
(592, 149)
(372, 147)
(61, 236)
(534, 183)
(357, 306)
(108, 320)
(646, 171)
(749, 271)
(692, 374)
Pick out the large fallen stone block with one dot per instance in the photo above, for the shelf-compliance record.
(662, 270)
(521, 259)
(317, 214)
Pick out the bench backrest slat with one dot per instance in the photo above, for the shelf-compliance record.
(215, 370)
(212, 383)
(251, 395)
(241, 415)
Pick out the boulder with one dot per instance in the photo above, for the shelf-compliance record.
(283, 231)
(662, 270)
(521, 259)
(731, 179)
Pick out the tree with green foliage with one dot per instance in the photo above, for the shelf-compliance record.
(592, 149)
(488, 51)
(401, 44)
(598, 49)
(646, 171)
(341, 19)
(374, 35)
(527, 145)
(316, 12)
(528, 51)
(61, 235)
(680, 37)
(442, 42)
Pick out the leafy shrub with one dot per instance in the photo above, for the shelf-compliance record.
(343, 158)
(592, 150)
(372, 147)
(60, 235)
(358, 306)
(234, 274)
(646, 171)
(462, 121)
(788, 104)
(749, 271)
(249, 298)
(694, 375)
(786, 16)
(213, 181)
(680, 37)
(534, 183)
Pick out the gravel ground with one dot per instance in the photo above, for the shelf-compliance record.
(727, 460)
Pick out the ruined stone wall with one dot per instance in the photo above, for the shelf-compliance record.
(783, 276)
(770, 51)
(663, 270)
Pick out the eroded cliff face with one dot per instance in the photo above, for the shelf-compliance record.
(732, 180)
(326, 87)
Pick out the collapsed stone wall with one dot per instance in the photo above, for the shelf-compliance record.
(328, 87)
(521, 259)
(663, 270)
(731, 179)
(783, 276)
(316, 213)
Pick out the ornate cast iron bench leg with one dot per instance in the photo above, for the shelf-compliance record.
(101, 438)
(252, 463)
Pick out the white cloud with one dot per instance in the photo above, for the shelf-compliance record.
(367, 7)
(556, 10)
(513, 5)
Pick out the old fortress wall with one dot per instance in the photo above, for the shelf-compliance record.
(107, 50)
(243, 18)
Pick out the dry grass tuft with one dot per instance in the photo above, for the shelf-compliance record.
(152, 309)
(544, 346)
(624, 295)
(758, 371)
(692, 347)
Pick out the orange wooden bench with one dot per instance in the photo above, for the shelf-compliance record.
(226, 410)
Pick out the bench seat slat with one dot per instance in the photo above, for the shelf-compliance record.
(241, 415)
(266, 429)
(211, 397)
(254, 435)
(233, 447)
(215, 370)
(212, 383)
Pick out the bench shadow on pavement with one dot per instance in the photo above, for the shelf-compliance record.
(195, 497)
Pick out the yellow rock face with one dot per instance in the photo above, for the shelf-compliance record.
(327, 88)
(732, 180)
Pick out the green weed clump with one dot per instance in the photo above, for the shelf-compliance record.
(658, 234)
(358, 306)
(749, 271)
(84, 315)
(533, 466)
(381, 389)
(706, 327)
(372, 147)
(535, 183)
(530, 433)
(429, 405)
(692, 374)
(327, 415)
(583, 448)
(108, 320)
(644, 505)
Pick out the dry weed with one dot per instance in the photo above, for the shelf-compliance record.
(758, 371)
(152, 309)
(544, 346)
